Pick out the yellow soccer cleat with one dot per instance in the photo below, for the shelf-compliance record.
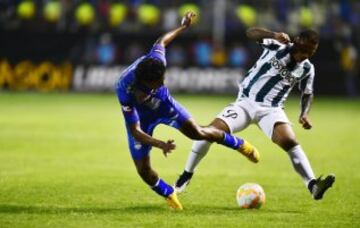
(250, 152)
(173, 201)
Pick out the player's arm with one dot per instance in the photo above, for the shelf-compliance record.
(133, 121)
(306, 87)
(306, 100)
(170, 36)
(144, 138)
(258, 34)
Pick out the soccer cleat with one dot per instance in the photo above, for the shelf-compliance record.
(182, 181)
(173, 201)
(321, 185)
(249, 151)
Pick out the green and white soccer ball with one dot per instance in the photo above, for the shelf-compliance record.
(250, 195)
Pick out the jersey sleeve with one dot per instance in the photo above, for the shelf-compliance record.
(130, 114)
(158, 52)
(306, 85)
(271, 44)
(128, 109)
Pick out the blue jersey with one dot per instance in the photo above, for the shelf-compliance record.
(126, 90)
(158, 107)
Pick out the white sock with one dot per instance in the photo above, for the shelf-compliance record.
(198, 151)
(301, 164)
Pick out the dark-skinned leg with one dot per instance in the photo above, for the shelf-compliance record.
(150, 177)
(200, 148)
(212, 134)
(232, 118)
(220, 124)
(193, 131)
(147, 174)
(142, 163)
(284, 136)
(198, 151)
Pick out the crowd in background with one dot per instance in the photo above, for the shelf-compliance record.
(137, 15)
(335, 19)
(106, 21)
(201, 53)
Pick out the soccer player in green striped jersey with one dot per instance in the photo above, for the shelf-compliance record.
(282, 65)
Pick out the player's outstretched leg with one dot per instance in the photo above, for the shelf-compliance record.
(216, 132)
(284, 136)
(213, 134)
(199, 150)
(157, 184)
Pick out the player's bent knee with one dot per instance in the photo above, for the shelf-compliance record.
(284, 136)
(288, 143)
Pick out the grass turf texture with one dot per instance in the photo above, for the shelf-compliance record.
(64, 162)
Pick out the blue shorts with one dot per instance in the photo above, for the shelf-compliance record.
(178, 116)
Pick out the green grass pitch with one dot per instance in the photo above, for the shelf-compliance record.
(64, 162)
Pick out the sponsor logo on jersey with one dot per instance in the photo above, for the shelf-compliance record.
(283, 72)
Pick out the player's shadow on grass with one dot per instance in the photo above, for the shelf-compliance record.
(17, 209)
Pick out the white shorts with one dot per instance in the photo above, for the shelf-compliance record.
(240, 114)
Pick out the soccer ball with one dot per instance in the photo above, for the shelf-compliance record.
(250, 195)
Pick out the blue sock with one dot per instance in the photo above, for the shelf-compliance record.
(162, 188)
(231, 141)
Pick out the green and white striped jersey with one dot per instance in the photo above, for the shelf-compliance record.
(275, 73)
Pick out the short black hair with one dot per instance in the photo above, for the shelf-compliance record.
(150, 70)
(310, 36)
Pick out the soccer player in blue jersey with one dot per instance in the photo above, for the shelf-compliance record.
(282, 65)
(146, 102)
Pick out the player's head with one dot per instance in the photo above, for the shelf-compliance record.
(150, 73)
(305, 45)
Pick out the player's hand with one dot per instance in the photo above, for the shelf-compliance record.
(187, 19)
(167, 147)
(305, 122)
(282, 37)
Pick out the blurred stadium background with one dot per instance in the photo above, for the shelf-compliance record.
(64, 160)
(82, 45)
